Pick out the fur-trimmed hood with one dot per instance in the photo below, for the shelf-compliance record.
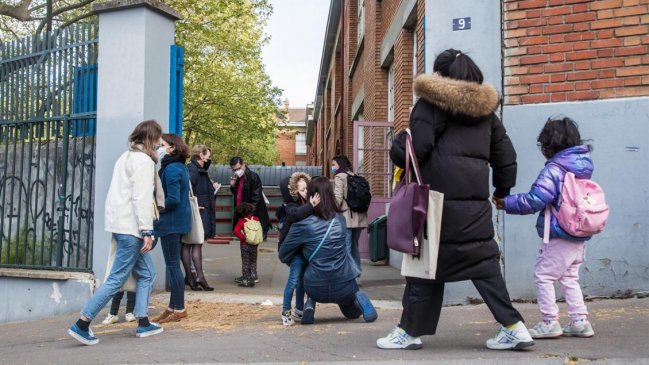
(457, 97)
(294, 179)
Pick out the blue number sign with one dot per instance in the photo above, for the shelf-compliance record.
(461, 23)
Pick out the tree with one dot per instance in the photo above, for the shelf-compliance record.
(19, 18)
(229, 101)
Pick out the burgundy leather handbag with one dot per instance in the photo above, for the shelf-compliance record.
(408, 208)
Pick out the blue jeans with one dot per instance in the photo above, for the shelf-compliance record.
(343, 294)
(127, 258)
(353, 235)
(171, 245)
(294, 282)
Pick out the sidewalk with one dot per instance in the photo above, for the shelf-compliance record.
(221, 329)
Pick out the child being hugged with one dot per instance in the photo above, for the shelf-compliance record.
(248, 251)
(297, 206)
(561, 256)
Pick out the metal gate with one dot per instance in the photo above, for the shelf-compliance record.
(372, 142)
(47, 148)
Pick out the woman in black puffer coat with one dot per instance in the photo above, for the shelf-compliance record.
(204, 190)
(457, 137)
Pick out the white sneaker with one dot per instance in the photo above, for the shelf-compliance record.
(546, 329)
(296, 314)
(110, 319)
(581, 328)
(287, 320)
(399, 339)
(515, 339)
(130, 317)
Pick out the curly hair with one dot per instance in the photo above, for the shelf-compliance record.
(295, 178)
(557, 135)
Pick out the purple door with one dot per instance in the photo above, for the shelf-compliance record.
(371, 158)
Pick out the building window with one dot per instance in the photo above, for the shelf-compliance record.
(361, 21)
(300, 143)
(391, 93)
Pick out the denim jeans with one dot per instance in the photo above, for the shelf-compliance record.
(171, 245)
(343, 294)
(127, 258)
(353, 235)
(294, 282)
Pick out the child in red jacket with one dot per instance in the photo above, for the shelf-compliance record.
(248, 252)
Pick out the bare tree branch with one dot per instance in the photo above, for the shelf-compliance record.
(72, 21)
(19, 11)
(62, 10)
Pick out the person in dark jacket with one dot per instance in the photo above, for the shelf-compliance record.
(456, 137)
(246, 187)
(205, 191)
(175, 220)
(297, 206)
(331, 273)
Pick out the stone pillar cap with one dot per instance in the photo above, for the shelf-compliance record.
(154, 5)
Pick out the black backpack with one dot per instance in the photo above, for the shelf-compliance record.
(358, 193)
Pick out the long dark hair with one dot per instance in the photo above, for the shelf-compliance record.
(327, 208)
(457, 65)
(180, 147)
(557, 135)
(343, 163)
(147, 134)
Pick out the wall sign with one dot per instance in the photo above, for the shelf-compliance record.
(462, 23)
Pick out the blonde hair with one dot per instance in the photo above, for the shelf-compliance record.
(198, 149)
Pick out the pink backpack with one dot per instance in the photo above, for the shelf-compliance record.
(583, 211)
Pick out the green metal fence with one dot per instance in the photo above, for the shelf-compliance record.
(47, 149)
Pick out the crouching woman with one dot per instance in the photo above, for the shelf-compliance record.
(330, 276)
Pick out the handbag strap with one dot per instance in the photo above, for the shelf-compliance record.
(191, 191)
(323, 239)
(410, 155)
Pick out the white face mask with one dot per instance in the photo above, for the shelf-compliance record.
(239, 172)
(162, 152)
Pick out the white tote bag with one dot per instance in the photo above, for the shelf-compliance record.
(131, 282)
(425, 266)
(197, 234)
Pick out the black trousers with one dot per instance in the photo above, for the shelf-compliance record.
(422, 304)
(117, 299)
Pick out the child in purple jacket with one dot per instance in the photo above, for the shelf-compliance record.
(560, 258)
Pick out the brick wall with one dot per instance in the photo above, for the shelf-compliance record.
(569, 50)
(285, 142)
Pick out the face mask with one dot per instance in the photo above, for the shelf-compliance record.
(162, 152)
(239, 172)
(333, 169)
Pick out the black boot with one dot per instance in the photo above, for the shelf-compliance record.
(192, 284)
(247, 283)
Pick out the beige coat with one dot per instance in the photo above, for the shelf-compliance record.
(353, 219)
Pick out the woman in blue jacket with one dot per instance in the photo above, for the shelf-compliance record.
(175, 220)
(330, 276)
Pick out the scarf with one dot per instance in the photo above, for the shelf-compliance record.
(168, 160)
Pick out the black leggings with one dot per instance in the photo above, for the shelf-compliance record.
(117, 299)
(422, 304)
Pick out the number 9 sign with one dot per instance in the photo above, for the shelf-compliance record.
(461, 23)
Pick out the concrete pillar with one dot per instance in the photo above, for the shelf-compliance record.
(133, 85)
(469, 26)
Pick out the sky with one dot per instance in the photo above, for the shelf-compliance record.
(292, 57)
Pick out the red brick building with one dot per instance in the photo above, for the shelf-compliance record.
(554, 51)
(585, 59)
(291, 135)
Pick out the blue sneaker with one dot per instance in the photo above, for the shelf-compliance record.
(364, 303)
(150, 330)
(309, 312)
(85, 337)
